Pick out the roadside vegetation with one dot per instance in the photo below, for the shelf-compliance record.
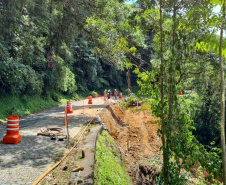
(109, 164)
(23, 105)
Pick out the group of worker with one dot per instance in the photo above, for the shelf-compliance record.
(108, 94)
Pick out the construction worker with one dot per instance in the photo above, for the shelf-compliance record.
(105, 92)
(105, 95)
(109, 94)
(116, 94)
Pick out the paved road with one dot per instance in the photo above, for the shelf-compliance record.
(25, 162)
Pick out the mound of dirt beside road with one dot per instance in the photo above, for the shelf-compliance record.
(136, 134)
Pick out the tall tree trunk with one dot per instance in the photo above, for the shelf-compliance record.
(51, 26)
(165, 161)
(222, 105)
(170, 91)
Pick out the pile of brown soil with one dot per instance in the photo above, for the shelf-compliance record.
(136, 134)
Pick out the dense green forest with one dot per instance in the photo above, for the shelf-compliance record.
(45, 47)
(52, 47)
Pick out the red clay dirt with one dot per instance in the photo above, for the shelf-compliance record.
(135, 132)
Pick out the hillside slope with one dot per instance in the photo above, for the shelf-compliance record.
(136, 134)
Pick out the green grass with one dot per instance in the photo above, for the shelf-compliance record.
(24, 105)
(108, 163)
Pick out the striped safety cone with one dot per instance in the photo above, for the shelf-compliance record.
(69, 107)
(120, 95)
(90, 100)
(12, 136)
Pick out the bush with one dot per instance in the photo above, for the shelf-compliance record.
(75, 96)
(127, 101)
(93, 93)
(56, 97)
(18, 78)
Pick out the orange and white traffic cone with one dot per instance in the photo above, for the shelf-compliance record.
(69, 107)
(12, 136)
(120, 95)
(90, 100)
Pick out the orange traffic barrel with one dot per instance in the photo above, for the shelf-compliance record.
(69, 107)
(12, 136)
(90, 100)
(120, 95)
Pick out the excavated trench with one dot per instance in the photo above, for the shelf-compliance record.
(135, 132)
